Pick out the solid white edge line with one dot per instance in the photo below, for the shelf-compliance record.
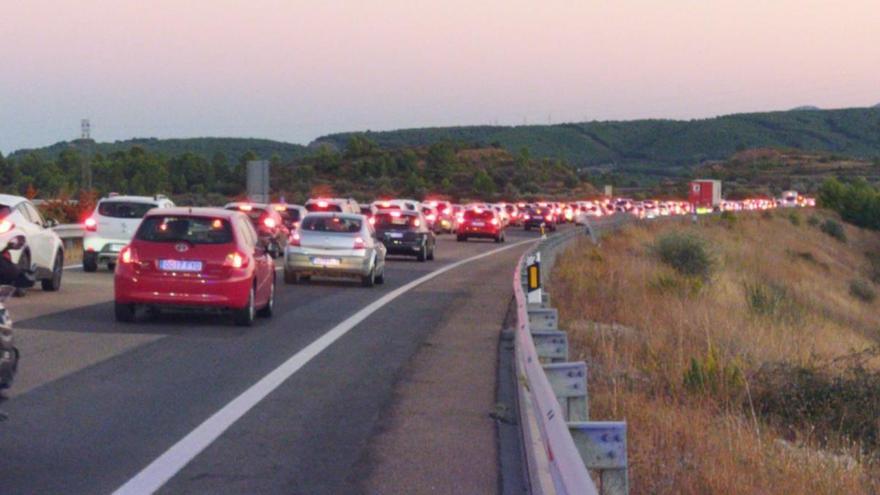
(73, 267)
(164, 467)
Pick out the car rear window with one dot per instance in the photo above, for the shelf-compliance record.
(290, 214)
(124, 209)
(331, 224)
(4, 210)
(255, 214)
(195, 230)
(483, 215)
(388, 221)
(326, 207)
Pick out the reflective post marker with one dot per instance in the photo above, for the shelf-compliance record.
(533, 279)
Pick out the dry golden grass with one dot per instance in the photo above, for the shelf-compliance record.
(682, 442)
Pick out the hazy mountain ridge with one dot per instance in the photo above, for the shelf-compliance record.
(205, 147)
(660, 146)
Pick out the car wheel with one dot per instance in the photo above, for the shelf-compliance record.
(431, 254)
(24, 264)
(380, 279)
(369, 279)
(423, 255)
(267, 310)
(90, 262)
(54, 283)
(111, 266)
(244, 317)
(290, 277)
(125, 313)
(527, 228)
(460, 238)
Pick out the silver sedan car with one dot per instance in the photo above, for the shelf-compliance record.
(334, 245)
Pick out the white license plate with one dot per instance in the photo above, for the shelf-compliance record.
(325, 261)
(479, 224)
(395, 235)
(180, 266)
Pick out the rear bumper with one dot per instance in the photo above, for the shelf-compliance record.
(302, 263)
(478, 232)
(8, 365)
(232, 293)
(105, 249)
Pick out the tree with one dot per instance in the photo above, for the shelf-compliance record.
(483, 184)
(359, 146)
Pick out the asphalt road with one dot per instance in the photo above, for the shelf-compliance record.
(97, 402)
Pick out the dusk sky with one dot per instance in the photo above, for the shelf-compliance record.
(294, 70)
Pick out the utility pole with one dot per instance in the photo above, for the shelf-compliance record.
(85, 136)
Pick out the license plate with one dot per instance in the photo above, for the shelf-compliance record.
(325, 261)
(479, 224)
(395, 235)
(180, 266)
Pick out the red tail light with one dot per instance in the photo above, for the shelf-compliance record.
(372, 220)
(294, 239)
(494, 221)
(236, 260)
(525, 217)
(269, 222)
(128, 255)
(447, 211)
(431, 217)
(91, 224)
(359, 243)
(549, 218)
(416, 222)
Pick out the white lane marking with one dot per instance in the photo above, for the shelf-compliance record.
(73, 267)
(158, 472)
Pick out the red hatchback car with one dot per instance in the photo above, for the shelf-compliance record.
(480, 223)
(196, 258)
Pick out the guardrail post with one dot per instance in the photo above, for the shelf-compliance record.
(543, 319)
(602, 445)
(569, 383)
(551, 346)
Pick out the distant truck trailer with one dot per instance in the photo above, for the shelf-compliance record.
(704, 195)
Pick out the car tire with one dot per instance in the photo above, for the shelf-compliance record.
(290, 277)
(369, 280)
(431, 254)
(111, 267)
(125, 313)
(527, 228)
(423, 255)
(54, 283)
(460, 238)
(380, 279)
(90, 262)
(267, 310)
(498, 239)
(244, 317)
(24, 263)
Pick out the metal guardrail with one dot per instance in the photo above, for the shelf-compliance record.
(561, 445)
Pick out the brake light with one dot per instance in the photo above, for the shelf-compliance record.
(431, 217)
(90, 224)
(494, 221)
(526, 217)
(245, 207)
(416, 222)
(322, 204)
(372, 220)
(447, 211)
(128, 255)
(359, 243)
(294, 239)
(6, 226)
(269, 222)
(549, 217)
(235, 260)
(395, 214)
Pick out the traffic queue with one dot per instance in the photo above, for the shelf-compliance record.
(222, 259)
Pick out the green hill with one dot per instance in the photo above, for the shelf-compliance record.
(660, 147)
(203, 147)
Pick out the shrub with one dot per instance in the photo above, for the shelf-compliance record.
(708, 376)
(795, 219)
(874, 267)
(666, 283)
(766, 215)
(862, 290)
(729, 218)
(686, 253)
(834, 229)
(765, 299)
(813, 220)
(828, 402)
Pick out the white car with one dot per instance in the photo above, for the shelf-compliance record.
(112, 225)
(43, 252)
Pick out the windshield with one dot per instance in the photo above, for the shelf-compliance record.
(124, 209)
(195, 230)
(388, 221)
(483, 215)
(338, 225)
(290, 215)
(253, 213)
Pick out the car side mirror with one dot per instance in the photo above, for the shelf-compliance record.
(51, 223)
(273, 249)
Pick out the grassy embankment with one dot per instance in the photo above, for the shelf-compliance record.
(743, 352)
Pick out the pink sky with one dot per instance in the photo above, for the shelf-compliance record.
(293, 70)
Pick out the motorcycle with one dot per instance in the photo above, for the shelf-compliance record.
(12, 278)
